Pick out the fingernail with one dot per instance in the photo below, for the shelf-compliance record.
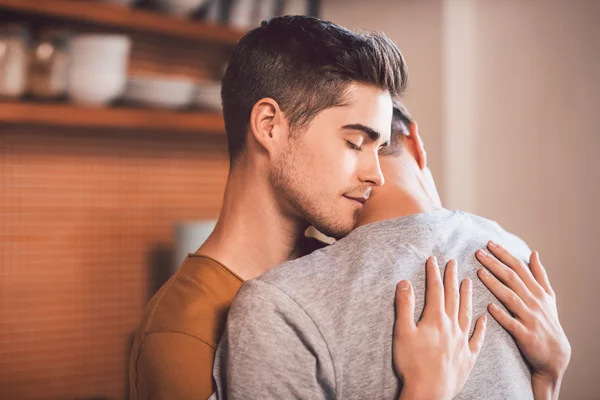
(492, 244)
(484, 272)
(484, 319)
(494, 307)
(482, 253)
(403, 285)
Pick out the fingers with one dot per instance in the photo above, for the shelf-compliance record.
(465, 311)
(512, 325)
(434, 300)
(516, 265)
(476, 341)
(405, 307)
(501, 270)
(509, 298)
(539, 273)
(451, 299)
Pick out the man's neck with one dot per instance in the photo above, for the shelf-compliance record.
(252, 234)
(406, 196)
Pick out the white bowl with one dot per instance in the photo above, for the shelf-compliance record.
(208, 95)
(212, 87)
(208, 101)
(181, 7)
(93, 87)
(160, 92)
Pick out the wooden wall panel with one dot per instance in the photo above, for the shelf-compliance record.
(86, 236)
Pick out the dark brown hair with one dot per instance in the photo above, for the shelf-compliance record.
(306, 65)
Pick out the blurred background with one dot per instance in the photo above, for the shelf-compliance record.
(113, 157)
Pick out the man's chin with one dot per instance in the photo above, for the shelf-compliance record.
(335, 231)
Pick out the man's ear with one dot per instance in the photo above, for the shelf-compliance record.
(265, 124)
(416, 145)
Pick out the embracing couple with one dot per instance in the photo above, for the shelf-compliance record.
(318, 137)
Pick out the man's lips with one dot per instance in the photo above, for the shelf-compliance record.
(359, 199)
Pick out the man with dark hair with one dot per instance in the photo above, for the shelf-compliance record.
(322, 326)
(307, 106)
(307, 65)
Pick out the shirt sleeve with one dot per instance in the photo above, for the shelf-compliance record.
(271, 348)
(174, 366)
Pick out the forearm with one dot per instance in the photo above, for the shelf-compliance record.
(545, 387)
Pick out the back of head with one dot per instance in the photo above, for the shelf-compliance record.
(305, 64)
(410, 187)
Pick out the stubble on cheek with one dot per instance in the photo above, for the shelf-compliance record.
(308, 181)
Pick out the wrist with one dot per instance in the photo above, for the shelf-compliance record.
(422, 393)
(546, 386)
(548, 377)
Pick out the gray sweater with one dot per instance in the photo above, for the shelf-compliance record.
(320, 327)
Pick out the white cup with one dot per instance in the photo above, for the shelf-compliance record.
(189, 236)
(98, 70)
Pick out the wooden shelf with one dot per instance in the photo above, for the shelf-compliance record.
(69, 116)
(116, 16)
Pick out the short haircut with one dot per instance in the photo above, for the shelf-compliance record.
(401, 121)
(306, 65)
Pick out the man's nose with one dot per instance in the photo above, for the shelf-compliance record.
(372, 172)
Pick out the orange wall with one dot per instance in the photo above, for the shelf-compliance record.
(86, 234)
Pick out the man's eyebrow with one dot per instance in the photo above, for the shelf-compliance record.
(373, 134)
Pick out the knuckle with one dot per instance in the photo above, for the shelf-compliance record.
(538, 292)
(536, 306)
(536, 328)
(455, 330)
(465, 309)
(443, 324)
(508, 320)
(454, 295)
(436, 283)
(504, 316)
(512, 278)
(513, 298)
(522, 265)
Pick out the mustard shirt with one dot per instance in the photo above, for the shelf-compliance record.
(174, 348)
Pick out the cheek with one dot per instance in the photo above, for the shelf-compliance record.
(337, 158)
(309, 171)
(327, 164)
(323, 159)
(350, 164)
(339, 171)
